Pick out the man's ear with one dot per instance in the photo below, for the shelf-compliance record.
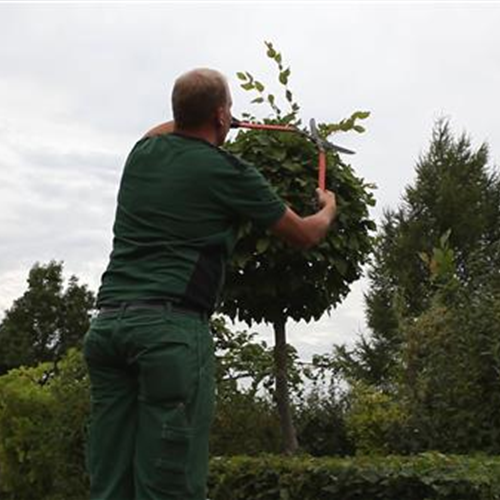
(219, 116)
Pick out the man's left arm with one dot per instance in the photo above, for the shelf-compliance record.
(163, 128)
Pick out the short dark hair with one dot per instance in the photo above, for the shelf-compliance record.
(196, 96)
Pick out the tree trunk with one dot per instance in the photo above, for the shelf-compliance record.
(289, 436)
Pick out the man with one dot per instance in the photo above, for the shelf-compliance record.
(149, 351)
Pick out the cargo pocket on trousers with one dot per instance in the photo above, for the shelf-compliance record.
(173, 464)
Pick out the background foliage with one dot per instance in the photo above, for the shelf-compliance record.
(48, 319)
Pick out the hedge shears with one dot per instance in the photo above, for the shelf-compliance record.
(313, 136)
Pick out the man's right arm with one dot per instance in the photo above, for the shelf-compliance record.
(243, 191)
(306, 232)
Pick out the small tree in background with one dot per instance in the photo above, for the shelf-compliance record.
(434, 310)
(267, 280)
(46, 320)
(455, 196)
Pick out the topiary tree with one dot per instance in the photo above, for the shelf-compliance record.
(271, 282)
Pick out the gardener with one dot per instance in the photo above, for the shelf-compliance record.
(149, 351)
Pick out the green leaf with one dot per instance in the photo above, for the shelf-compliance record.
(259, 86)
(241, 76)
(359, 128)
(444, 238)
(333, 127)
(262, 245)
(361, 115)
(346, 125)
(289, 95)
(247, 86)
(341, 266)
(257, 100)
(278, 154)
(283, 78)
(270, 50)
(270, 98)
(293, 166)
(424, 257)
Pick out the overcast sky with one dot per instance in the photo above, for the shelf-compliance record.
(79, 84)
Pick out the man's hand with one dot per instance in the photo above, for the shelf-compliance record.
(326, 198)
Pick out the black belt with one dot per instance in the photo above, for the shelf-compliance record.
(153, 304)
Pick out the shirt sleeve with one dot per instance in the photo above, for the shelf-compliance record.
(244, 192)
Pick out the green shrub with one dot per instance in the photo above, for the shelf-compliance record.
(451, 377)
(244, 425)
(424, 477)
(70, 391)
(26, 412)
(321, 428)
(375, 421)
(43, 413)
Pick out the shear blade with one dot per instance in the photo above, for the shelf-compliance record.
(321, 143)
(339, 149)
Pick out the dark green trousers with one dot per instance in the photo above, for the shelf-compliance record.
(152, 388)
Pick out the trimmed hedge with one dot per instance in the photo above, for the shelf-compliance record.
(423, 477)
(430, 476)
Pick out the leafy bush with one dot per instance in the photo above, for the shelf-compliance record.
(70, 393)
(375, 421)
(424, 477)
(451, 372)
(244, 425)
(42, 430)
(321, 428)
(26, 410)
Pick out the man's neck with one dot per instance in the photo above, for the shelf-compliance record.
(204, 133)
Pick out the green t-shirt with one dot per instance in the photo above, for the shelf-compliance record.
(180, 203)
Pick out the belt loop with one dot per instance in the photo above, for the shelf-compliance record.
(118, 320)
(123, 308)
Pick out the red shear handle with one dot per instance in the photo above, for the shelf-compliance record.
(262, 126)
(322, 170)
